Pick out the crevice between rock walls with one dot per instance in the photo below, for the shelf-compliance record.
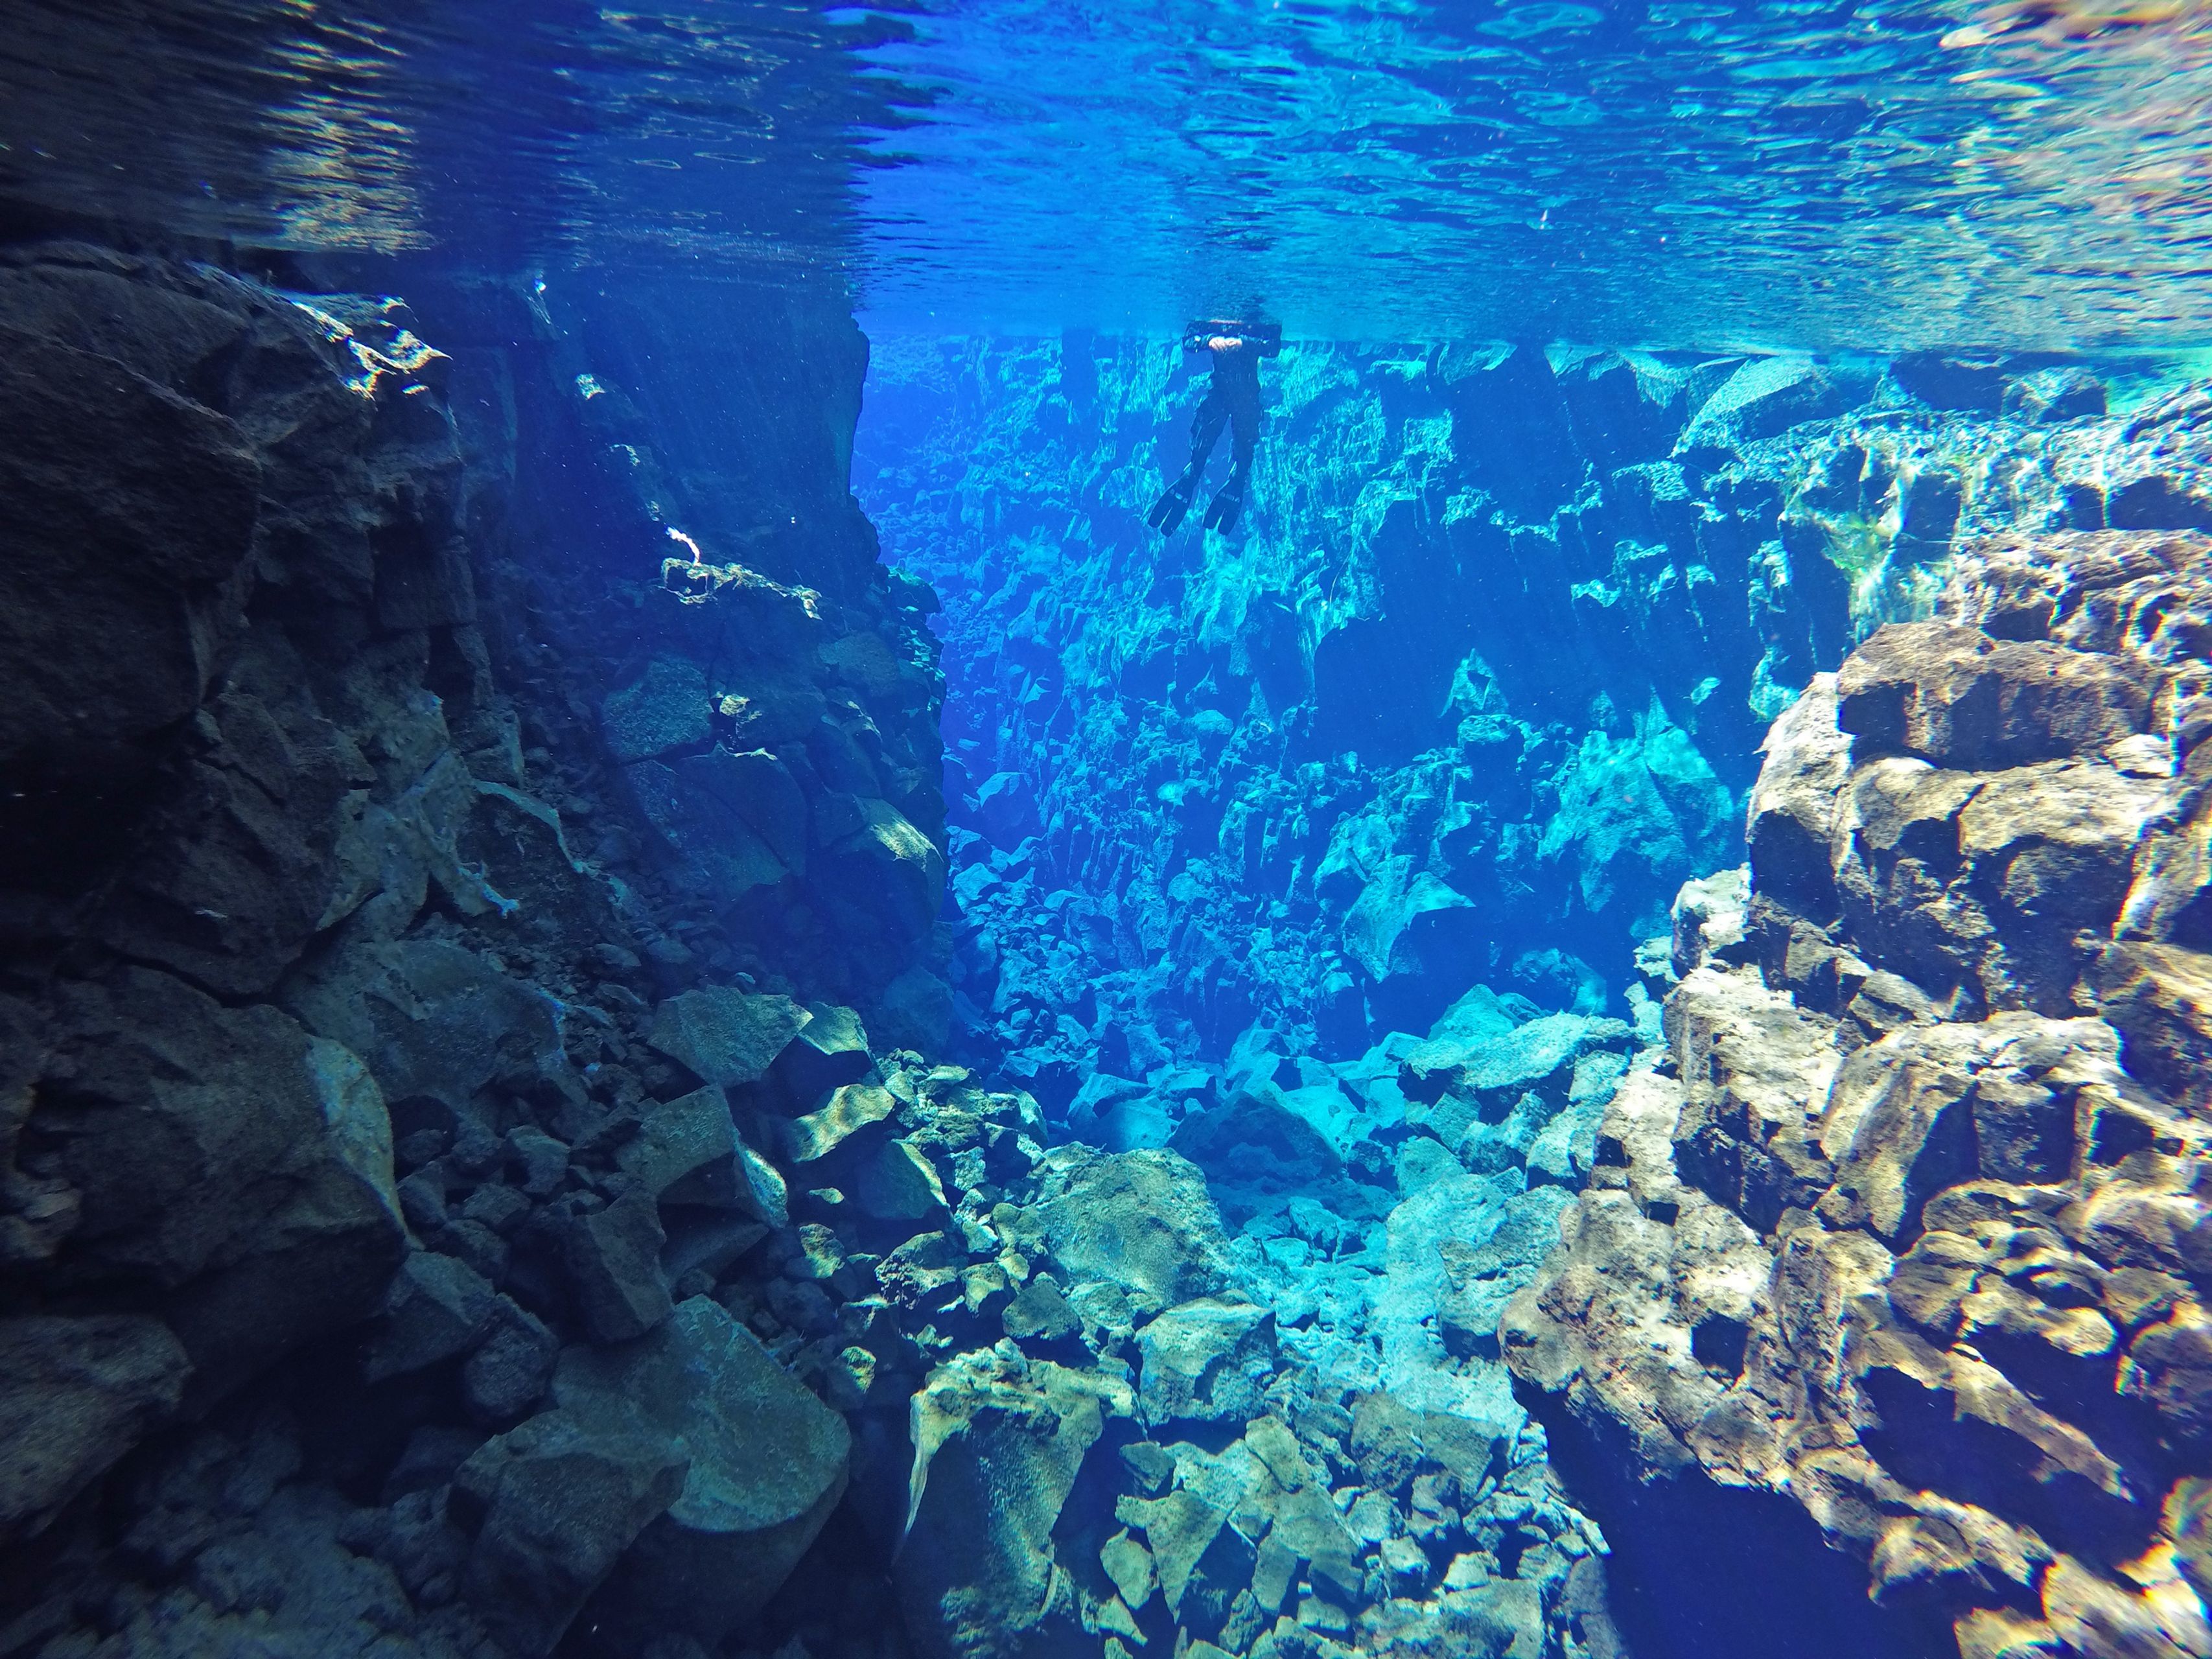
(466, 1192)
(482, 1175)
(1478, 683)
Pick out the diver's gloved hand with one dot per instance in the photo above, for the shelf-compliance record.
(1221, 512)
(1167, 513)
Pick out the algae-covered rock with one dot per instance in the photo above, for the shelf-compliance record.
(1140, 1221)
(846, 1112)
(1000, 1442)
(830, 1049)
(726, 1035)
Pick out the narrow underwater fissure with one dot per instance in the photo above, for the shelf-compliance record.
(669, 991)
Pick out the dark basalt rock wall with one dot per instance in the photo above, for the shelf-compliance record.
(366, 787)
(1898, 1257)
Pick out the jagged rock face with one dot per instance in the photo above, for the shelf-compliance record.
(196, 1179)
(1907, 1234)
(391, 1203)
(1477, 686)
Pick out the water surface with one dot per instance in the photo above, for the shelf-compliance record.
(1871, 174)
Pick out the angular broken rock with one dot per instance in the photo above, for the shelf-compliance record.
(1793, 802)
(559, 1498)
(507, 1373)
(74, 1393)
(613, 1257)
(685, 1152)
(725, 1037)
(897, 1183)
(1142, 1221)
(436, 1308)
(1930, 1274)
(262, 1227)
(998, 1442)
(1207, 1361)
(766, 1464)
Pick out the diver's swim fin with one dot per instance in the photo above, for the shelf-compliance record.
(1221, 512)
(1167, 513)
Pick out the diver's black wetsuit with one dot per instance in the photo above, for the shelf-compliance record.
(1232, 400)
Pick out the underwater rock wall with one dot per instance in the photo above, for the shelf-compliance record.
(1889, 1280)
(377, 815)
(1478, 683)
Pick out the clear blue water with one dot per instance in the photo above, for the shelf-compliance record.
(1873, 175)
(1877, 173)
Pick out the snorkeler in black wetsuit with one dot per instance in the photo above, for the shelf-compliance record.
(1233, 400)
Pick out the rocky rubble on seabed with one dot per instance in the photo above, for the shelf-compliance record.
(1890, 1284)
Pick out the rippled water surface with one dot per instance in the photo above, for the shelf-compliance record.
(1873, 175)
(716, 136)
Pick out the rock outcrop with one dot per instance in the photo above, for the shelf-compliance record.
(1891, 1277)
(373, 1145)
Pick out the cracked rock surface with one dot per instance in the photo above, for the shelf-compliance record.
(1891, 1277)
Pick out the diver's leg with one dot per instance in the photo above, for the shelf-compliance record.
(1205, 424)
(1222, 511)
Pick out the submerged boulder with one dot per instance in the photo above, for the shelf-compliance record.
(1209, 1361)
(76, 1393)
(726, 1036)
(999, 1443)
(262, 1227)
(1141, 1221)
(677, 1478)
(766, 1464)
